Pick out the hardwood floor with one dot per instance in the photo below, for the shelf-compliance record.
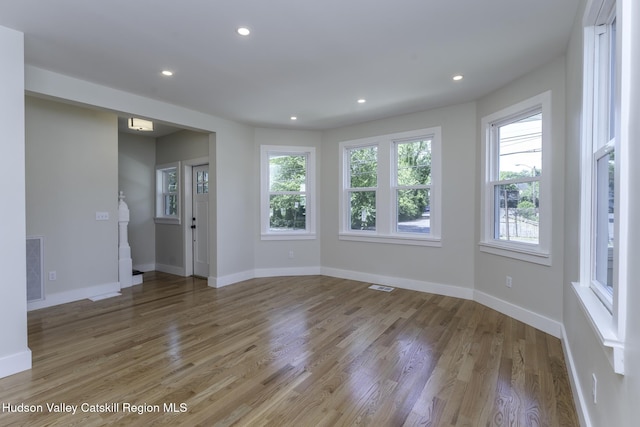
(295, 351)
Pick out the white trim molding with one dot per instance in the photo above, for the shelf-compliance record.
(579, 398)
(74, 295)
(14, 363)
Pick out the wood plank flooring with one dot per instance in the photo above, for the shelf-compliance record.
(295, 351)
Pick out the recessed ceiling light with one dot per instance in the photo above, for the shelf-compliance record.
(294, 118)
(361, 101)
(243, 31)
(167, 73)
(458, 77)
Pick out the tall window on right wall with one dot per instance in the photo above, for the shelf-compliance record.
(516, 192)
(604, 171)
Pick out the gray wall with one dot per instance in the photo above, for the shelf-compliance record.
(453, 263)
(136, 177)
(617, 395)
(535, 287)
(72, 173)
(272, 256)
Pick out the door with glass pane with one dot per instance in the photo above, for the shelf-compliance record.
(200, 220)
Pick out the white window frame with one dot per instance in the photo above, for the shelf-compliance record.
(539, 253)
(606, 314)
(309, 191)
(386, 204)
(161, 217)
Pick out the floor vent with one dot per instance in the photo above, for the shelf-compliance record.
(381, 288)
(35, 278)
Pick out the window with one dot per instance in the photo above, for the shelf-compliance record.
(168, 193)
(517, 203)
(362, 187)
(603, 207)
(601, 139)
(287, 192)
(390, 188)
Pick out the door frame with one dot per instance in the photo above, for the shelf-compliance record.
(187, 171)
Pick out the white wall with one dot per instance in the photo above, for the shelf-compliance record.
(617, 395)
(72, 173)
(136, 177)
(416, 267)
(536, 287)
(272, 256)
(15, 356)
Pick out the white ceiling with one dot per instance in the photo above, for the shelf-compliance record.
(311, 59)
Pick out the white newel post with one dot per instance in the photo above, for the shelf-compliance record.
(125, 264)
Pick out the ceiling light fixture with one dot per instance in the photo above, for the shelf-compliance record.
(167, 73)
(243, 31)
(361, 101)
(294, 118)
(140, 124)
(457, 77)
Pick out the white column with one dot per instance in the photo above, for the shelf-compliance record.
(125, 264)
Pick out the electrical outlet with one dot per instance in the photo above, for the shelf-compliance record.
(594, 388)
(53, 275)
(290, 254)
(509, 282)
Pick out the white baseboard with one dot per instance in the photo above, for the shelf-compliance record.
(15, 363)
(538, 321)
(219, 282)
(411, 284)
(294, 271)
(171, 269)
(58, 298)
(579, 398)
(144, 267)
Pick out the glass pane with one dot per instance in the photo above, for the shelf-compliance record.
(414, 163)
(287, 173)
(520, 146)
(205, 176)
(287, 212)
(414, 211)
(363, 210)
(363, 167)
(171, 180)
(605, 218)
(199, 176)
(199, 188)
(517, 212)
(205, 187)
(170, 205)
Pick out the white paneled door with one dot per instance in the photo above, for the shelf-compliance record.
(200, 220)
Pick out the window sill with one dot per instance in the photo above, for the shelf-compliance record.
(515, 251)
(603, 324)
(170, 221)
(391, 239)
(288, 236)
